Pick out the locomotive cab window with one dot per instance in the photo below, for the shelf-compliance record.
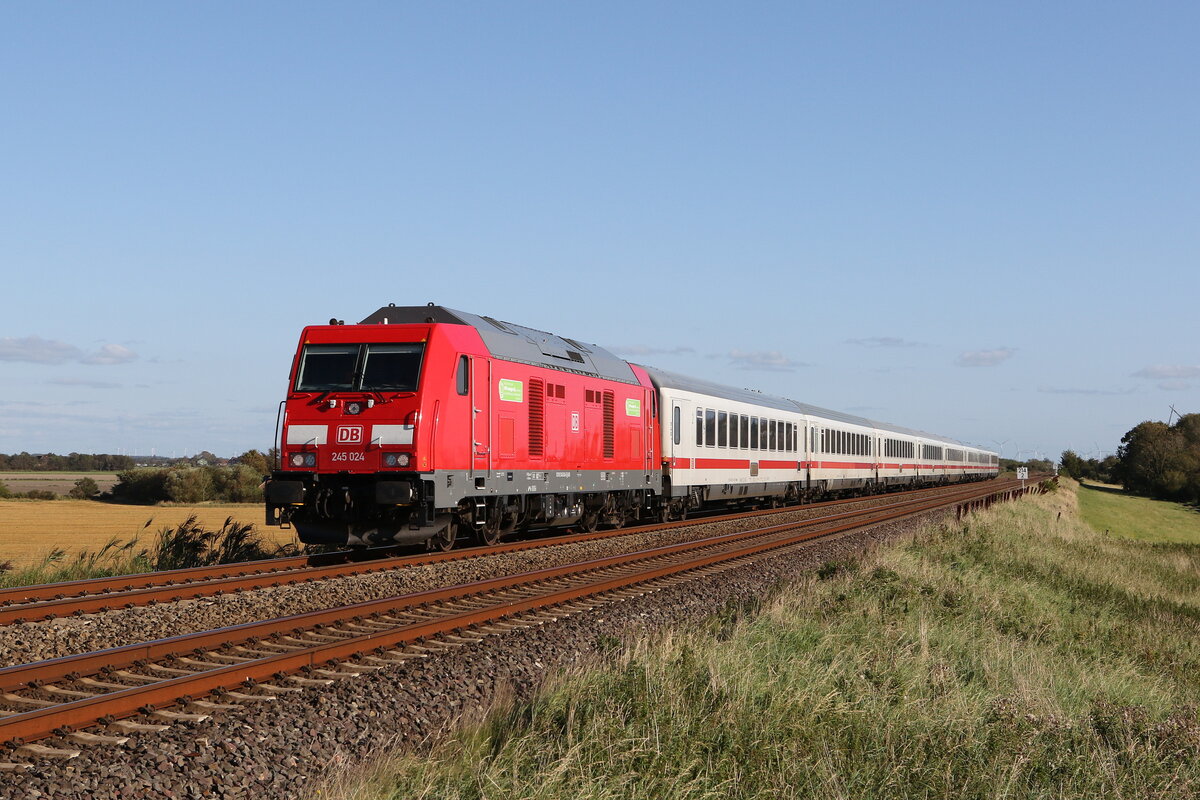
(327, 368)
(391, 367)
(355, 367)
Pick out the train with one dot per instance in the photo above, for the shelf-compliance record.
(424, 424)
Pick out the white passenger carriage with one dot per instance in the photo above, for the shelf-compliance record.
(737, 446)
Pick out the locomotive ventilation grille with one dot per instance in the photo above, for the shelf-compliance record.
(537, 416)
(608, 425)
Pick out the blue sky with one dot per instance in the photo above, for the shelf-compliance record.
(979, 220)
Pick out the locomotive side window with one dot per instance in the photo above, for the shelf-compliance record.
(391, 367)
(675, 423)
(463, 383)
(327, 368)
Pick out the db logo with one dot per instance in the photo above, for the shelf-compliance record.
(350, 434)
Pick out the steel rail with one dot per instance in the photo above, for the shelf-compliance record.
(47, 601)
(127, 702)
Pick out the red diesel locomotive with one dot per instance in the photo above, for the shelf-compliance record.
(425, 424)
(428, 424)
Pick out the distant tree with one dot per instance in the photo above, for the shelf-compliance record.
(5, 493)
(141, 485)
(84, 489)
(1071, 465)
(189, 485)
(255, 461)
(1162, 460)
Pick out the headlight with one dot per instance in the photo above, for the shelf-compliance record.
(304, 459)
(396, 460)
(298, 460)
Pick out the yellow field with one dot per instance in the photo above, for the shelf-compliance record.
(29, 529)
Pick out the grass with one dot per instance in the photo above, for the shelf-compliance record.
(1108, 508)
(1020, 655)
(188, 544)
(30, 530)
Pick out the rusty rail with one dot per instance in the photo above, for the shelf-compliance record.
(47, 601)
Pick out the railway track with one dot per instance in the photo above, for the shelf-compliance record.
(48, 601)
(257, 662)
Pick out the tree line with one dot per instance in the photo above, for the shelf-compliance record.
(192, 480)
(72, 462)
(1155, 459)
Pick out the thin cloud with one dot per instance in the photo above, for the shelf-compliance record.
(884, 341)
(643, 350)
(1056, 390)
(762, 360)
(985, 358)
(1174, 386)
(1168, 371)
(85, 383)
(110, 354)
(36, 350)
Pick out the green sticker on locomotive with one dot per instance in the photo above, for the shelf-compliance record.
(633, 408)
(512, 391)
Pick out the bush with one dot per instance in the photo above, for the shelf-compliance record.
(5, 493)
(84, 489)
(234, 484)
(146, 485)
(194, 485)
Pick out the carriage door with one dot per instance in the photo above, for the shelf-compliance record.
(481, 418)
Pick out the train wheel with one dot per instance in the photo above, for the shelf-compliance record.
(589, 522)
(444, 539)
(489, 534)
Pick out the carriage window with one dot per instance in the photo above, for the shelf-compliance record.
(754, 433)
(699, 427)
(774, 435)
(722, 429)
(733, 430)
(745, 426)
(710, 427)
(675, 421)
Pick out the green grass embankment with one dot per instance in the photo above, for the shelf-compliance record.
(1108, 508)
(1020, 655)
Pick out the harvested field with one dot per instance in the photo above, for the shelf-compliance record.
(29, 529)
(57, 482)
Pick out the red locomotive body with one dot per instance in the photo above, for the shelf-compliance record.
(427, 424)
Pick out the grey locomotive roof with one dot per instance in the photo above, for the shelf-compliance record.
(672, 380)
(511, 342)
